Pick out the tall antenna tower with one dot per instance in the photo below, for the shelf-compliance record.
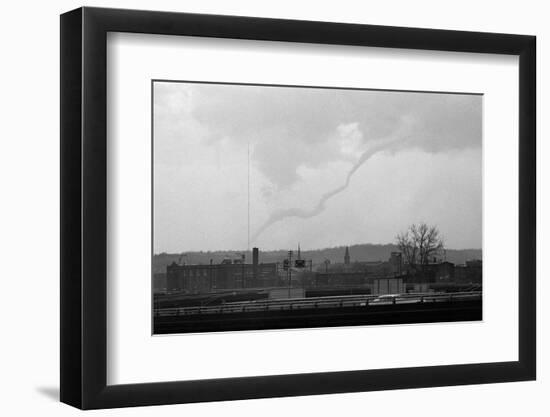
(248, 197)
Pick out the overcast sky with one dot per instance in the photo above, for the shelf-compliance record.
(327, 166)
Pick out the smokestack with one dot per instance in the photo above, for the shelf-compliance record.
(255, 261)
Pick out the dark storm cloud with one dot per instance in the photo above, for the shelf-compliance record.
(291, 127)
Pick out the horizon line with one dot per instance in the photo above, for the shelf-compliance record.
(301, 249)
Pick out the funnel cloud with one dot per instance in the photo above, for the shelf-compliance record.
(281, 215)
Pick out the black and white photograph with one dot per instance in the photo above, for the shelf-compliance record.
(280, 207)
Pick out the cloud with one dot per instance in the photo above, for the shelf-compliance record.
(290, 127)
(292, 130)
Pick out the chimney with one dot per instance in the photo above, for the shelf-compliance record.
(255, 256)
(255, 261)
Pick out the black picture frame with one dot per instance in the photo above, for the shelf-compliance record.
(83, 310)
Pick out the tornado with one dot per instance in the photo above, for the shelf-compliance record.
(284, 214)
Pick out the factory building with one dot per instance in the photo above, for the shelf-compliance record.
(374, 284)
(471, 272)
(227, 275)
(159, 282)
(396, 263)
(331, 279)
(389, 285)
(432, 272)
(378, 277)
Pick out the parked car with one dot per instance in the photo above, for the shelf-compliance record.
(385, 299)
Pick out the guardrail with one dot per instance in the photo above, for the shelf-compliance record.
(318, 302)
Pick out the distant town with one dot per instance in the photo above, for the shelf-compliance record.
(332, 276)
(199, 296)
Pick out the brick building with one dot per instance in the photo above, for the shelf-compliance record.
(229, 274)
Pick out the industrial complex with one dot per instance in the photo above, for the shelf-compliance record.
(379, 277)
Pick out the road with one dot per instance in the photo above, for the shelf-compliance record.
(340, 301)
(328, 313)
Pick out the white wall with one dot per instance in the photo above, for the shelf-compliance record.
(29, 174)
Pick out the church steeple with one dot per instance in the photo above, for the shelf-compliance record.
(346, 256)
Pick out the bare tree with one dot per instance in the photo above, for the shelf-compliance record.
(418, 244)
(408, 247)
